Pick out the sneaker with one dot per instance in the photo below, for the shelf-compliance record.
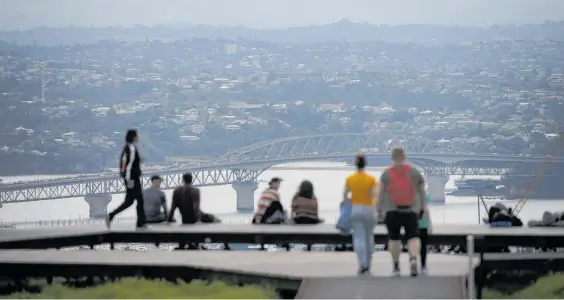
(108, 220)
(396, 272)
(423, 270)
(363, 271)
(413, 268)
(145, 226)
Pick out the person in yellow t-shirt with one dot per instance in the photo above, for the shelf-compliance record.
(362, 190)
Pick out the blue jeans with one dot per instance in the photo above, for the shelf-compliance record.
(363, 221)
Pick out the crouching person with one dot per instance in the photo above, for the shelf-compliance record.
(270, 209)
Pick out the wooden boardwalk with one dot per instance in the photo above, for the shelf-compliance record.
(10, 234)
(285, 264)
(322, 274)
(316, 274)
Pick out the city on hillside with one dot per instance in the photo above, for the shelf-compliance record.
(65, 107)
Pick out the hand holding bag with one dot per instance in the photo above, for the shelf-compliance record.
(344, 222)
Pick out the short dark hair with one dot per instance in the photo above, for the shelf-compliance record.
(155, 177)
(274, 180)
(187, 178)
(131, 135)
(398, 154)
(360, 161)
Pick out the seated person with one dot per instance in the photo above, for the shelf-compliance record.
(500, 213)
(186, 199)
(154, 202)
(209, 218)
(270, 209)
(304, 205)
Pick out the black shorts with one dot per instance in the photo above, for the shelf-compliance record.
(395, 220)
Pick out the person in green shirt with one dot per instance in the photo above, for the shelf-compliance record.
(424, 230)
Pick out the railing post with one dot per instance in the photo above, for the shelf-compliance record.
(471, 289)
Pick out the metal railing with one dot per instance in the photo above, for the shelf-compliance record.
(230, 219)
(471, 289)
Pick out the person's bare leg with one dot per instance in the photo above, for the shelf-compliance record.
(413, 246)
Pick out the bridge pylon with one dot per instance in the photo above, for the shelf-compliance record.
(98, 205)
(436, 187)
(245, 195)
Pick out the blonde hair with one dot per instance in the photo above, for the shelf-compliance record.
(398, 154)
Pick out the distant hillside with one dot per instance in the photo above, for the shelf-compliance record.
(343, 31)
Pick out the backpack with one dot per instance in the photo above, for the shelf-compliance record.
(400, 189)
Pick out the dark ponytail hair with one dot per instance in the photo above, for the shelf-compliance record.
(131, 135)
(360, 161)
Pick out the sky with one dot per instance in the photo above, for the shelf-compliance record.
(24, 14)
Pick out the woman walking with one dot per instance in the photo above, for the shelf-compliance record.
(130, 171)
(363, 191)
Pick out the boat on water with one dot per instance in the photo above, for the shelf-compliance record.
(473, 187)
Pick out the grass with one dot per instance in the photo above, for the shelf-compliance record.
(132, 288)
(548, 287)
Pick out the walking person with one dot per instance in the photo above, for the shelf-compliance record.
(130, 171)
(403, 195)
(362, 190)
(425, 228)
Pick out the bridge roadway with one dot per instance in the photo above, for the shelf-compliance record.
(263, 164)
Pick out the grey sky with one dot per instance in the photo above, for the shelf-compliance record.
(274, 13)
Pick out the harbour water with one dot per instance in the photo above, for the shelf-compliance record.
(328, 179)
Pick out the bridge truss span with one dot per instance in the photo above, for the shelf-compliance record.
(337, 144)
(115, 185)
(478, 168)
(448, 170)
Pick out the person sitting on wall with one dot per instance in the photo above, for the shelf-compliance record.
(186, 199)
(154, 202)
(304, 205)
(270, 209)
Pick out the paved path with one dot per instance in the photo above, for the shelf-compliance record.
(423, 287)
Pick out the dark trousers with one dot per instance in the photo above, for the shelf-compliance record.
(132, 194)
(424, 237)
(306, 220)
(159, 220)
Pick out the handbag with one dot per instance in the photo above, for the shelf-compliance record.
(344, 222)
